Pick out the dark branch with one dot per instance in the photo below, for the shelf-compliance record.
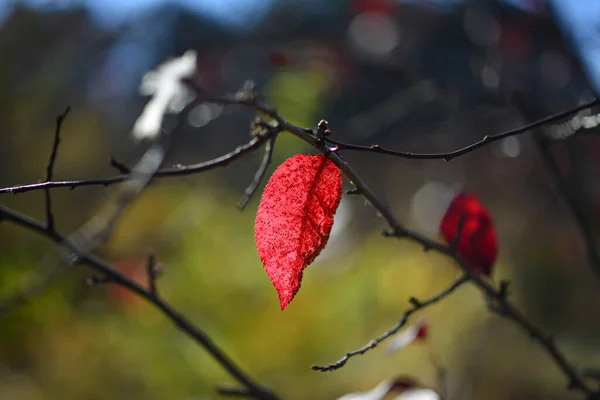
(583, 221)
(108, 272)
(474, 146)
(50, 168)
(98, 280)
(497, 297)
(461, 224)
(179, 170)
(564, 189)
(119, 166)
(35, 289)
(152, 272)
(260, 173)
(416, 306)
(503, 307)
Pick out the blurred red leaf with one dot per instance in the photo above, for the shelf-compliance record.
(279, 58)
(134, 268)
(385, 7)
(477, 244)
(294, 219)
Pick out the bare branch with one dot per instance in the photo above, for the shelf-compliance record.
(260, 173)
(467, 149)
(152, 273)
(503, 307)
(179, 170)
(119, 166)
(563, 188)
(50, 168)
(107, 271)
(37, 288)
(497, 296)
(416, 306)
(459, 230)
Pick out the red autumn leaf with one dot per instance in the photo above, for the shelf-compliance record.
(294, 219)
(135, 269)
(477, 243)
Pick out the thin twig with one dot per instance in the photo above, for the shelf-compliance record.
(119, 166)
(461, 224)
(37, 288)
(260, 173)
(105, 269)
(179, 170)
(152, 273)
(416, 306)
(562, 186)
(50, 168)
(467, 149)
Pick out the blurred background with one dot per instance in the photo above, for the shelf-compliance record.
(421, 76)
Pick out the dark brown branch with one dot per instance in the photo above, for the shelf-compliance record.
(34, 290)
(119, 166)
(416, 306)
(50, 168)
(179, 170)
(497, 297)
(503, 307)
(152, 273)
(474, 146)
(107, 271)
(260, 173)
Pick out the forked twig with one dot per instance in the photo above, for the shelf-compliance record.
(50, 168)
(416, 306)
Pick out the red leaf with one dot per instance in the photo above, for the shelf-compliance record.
(294, 219)
(477, 244)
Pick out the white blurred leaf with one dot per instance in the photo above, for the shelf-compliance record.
(399, 385)
(407, 336)
(419, 394)
(377, 393)
(169, 94)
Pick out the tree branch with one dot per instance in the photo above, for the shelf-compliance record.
(179, 170)
(257, 391)
(467, 149)
(50, 168)
(496, 297)
(262, 170)
(416, 306)
(561, 184)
